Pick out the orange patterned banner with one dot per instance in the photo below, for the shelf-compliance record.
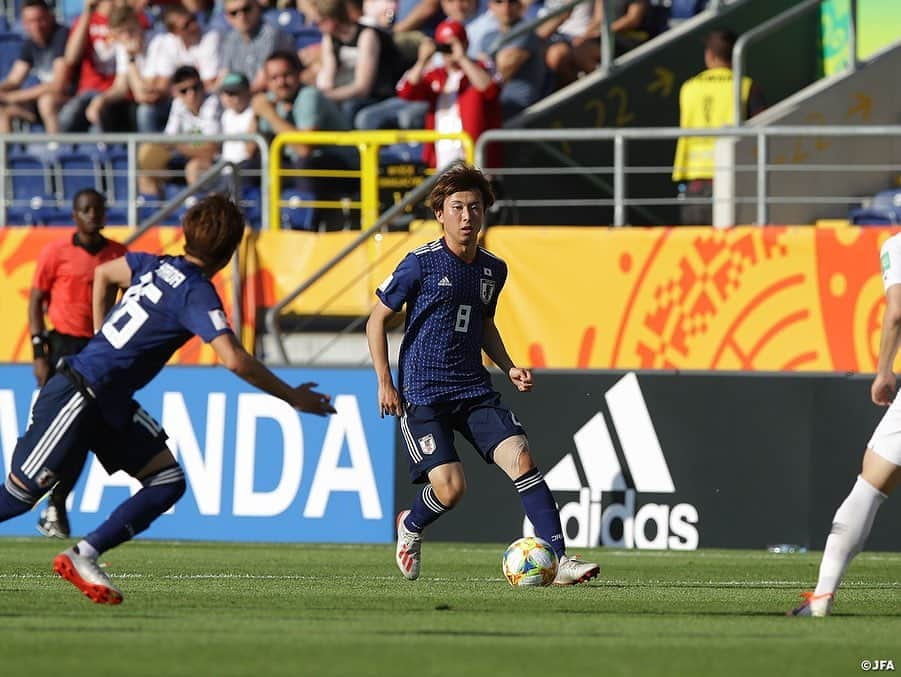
(758, 299)
(19, 249)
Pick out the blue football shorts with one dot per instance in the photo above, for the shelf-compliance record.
(67, 419)
(428, 431)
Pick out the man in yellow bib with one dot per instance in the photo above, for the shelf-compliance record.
(706, 101)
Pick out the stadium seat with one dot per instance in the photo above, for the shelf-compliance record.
(31, 192)
(76, 171)
(306, 36)
(10, 46)
(289, 20)
(4, 25)
(885, 209)
(297, 218)
(685, 9)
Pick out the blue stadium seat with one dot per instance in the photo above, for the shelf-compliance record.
(31, 192)
(297, 218)
(77, 171)
(306, 36)
(289, 20)
(685, 9)
(885, 209)
(10, 46)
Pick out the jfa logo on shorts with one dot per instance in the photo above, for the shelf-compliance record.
(427, 444)
(487, 290)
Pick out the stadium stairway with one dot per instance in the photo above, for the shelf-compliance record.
(865, 96)
(642, 90)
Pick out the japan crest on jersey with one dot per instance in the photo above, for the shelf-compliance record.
(487, 290)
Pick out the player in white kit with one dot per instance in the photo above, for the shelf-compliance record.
(881, 461)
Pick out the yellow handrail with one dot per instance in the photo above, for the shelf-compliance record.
(368, 144)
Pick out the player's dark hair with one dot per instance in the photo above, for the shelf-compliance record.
(213, 229)
(288, 57)
(720, 42)
(86, 192)
(459, 177)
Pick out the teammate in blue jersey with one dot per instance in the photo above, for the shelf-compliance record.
(88, 404)
(450, 288)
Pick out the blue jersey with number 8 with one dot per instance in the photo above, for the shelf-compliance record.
(447, 303)
(169, 301)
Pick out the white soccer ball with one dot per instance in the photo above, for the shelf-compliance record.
(529, 561)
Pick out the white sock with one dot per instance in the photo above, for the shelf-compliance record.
(850, 528)
(85, 549)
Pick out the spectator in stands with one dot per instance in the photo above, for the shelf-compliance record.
(238, 118)
(193, 112)
(134, 91)
(246, 49)
(520, 62)
(202, 10)
(462, 95)
(706, 101)
(62, 285)
(359, 63)
(582, 54)
(41, 57)
(184, 43)
(417, 15)
(91, 58)
(398, 113)
(290, 106)
(562, 34)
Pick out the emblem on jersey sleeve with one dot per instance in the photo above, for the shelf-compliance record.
(886, 261)
(427, 444)
(487, 289)
(217, 317)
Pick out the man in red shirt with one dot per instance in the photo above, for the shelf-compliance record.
(63, 282)
(91, 58)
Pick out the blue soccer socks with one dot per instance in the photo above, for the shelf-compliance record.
(425, 510)
(161, 491)
(538, 502)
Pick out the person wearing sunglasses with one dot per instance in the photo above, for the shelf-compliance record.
(185, 43)
(246, 48)
(193, 112)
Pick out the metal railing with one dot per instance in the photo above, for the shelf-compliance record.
(767, 27)
(272, 315)
(368, 144)
(726, 174)
(131, 143)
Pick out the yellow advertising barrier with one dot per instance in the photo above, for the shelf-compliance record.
(368, 144)
(19, 249)
(770, 299)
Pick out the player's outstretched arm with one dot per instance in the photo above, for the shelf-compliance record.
(377, 337)
(109, 278)
(883, 389)
(250, 369)
(494, 347)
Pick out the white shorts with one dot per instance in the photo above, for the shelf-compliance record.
(886, 439)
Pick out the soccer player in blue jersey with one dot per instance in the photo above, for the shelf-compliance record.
(88, 403)
(450, 288)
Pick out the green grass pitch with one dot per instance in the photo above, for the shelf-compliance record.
(261, 610)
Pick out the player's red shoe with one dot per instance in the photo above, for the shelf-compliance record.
(813, 605)
(86, 575)
(409, 544)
